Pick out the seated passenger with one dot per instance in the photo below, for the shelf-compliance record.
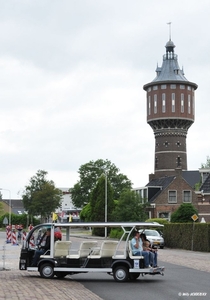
(152, 252)
(42, 248)
(137, 249)
(58, 234)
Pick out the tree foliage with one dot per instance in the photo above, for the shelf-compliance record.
(41, 197)
(97, 201)
(85, 214)
(130, 208)
(97, 204)
(184, 213)
(207, 164)
(89, 173)
(1, 208)
(19, 220)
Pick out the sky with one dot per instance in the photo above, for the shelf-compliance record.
(71, 85)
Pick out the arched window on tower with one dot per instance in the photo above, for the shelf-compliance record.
(173, 102)
(189, 104)
(178, 161)
(149, 105)
(163, 102)
(155, 104)
(182, 103)
(156, 162)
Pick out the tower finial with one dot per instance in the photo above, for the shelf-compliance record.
(169, 23)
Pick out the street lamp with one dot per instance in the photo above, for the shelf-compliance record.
(9, 203)
(105, 204)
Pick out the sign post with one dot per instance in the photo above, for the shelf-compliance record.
(195, 218)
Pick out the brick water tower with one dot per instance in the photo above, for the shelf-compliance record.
(170, 113)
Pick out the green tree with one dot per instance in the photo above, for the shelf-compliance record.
(41, 197)
(184, 213)
(130, 208)
(207, 164)
(97, 204)
(85, 214)
(89, 173)
(1, 208)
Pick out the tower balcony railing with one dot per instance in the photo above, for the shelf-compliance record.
(170, 55)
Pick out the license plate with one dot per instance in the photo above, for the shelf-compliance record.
(156, 243)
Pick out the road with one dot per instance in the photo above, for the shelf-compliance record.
(187, 272)
(177, 282)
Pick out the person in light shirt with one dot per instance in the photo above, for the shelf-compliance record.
(137, 248)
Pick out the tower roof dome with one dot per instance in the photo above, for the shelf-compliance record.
(170, 44)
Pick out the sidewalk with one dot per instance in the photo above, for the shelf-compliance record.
(24, 285)
(191, 259)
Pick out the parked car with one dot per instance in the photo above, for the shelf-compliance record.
(154, 237)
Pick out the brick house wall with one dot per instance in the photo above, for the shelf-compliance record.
(162, 205)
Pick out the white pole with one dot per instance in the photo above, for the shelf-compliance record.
(105, 204)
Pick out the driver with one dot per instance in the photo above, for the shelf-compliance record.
(42, 249)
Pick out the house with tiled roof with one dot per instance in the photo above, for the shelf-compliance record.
(203, 195)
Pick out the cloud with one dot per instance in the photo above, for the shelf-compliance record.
(71, 84)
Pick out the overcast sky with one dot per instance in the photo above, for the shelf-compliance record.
(71, 84)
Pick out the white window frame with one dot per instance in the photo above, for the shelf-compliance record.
(187, 196)
(172, 198)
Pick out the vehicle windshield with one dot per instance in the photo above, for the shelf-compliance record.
(151, 233)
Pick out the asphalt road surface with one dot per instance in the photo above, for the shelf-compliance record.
(179, 282)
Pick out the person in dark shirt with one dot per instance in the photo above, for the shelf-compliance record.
(42, 249)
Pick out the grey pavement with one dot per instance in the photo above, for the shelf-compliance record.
(24, 285)
(15, 284)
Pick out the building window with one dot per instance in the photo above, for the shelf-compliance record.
(156, 162)
(173, 102)
(189, 104)
(163, 86)
(187, 196)
(189, 88)
(149, 105)
(155, 104)
(163, 102)
(193, 105)
(164, 215)
(182, 87)
(149, 89)
(155, 87)
(172, 197)
(178, 161)
(173, 86)
(182, 103)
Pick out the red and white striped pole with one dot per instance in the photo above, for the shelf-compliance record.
(8, 235)
(14, 238)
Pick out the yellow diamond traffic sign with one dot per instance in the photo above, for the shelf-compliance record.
(194, 217)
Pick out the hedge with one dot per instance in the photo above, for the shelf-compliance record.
(188, 236)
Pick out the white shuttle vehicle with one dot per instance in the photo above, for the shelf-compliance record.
(94, 254)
